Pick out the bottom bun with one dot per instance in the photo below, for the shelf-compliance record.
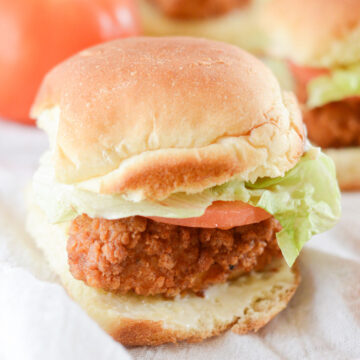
(245, 304)
(347, 162)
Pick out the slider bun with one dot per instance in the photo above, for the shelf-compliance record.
(347, 162)
(243, 305)
(148, 117)
(239, 27)
(319, 33)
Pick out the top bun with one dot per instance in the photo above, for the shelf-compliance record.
(147, 117)
(321, 33)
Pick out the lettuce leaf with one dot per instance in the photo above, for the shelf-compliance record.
(281, 70)
(62, 202)
(306, 201)
(338, 85)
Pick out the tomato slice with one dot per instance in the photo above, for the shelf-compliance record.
(306, 74)
(221, 214)
(303, 75)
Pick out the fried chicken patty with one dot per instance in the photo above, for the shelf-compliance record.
(140, 255)
(334, 125)
(197, 9)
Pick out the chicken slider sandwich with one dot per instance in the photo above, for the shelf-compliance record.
(178, 189)
(232, 21)
(321, 41)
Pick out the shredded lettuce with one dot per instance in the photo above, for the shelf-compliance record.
(338, 85)
(306, 201)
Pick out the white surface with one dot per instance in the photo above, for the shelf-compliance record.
(39, 321)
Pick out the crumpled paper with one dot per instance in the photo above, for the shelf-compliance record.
(39, 321)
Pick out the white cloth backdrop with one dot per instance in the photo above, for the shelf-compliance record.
(39, 321)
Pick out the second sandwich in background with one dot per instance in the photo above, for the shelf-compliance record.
(321, 41)
(231, 21)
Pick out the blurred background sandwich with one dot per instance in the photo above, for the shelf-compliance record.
(232, 21)
(320, 40)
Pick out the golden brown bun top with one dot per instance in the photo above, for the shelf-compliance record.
(322, 33)
(153, 116)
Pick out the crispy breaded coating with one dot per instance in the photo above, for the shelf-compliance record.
(334, 125)
(140, 255)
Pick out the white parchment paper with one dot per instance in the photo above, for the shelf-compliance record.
(39, 321)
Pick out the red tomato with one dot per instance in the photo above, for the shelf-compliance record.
(35, 35)
(221, 214)
(303, 75)
(306, 74)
